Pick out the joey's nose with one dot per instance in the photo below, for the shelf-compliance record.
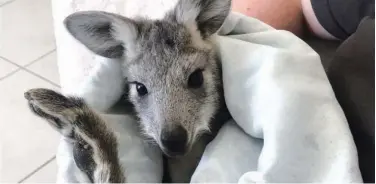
(174, 140)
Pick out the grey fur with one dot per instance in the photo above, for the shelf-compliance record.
(95, 145)
(161, 54)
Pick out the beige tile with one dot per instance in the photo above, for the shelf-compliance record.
(26, 30)
(47, 68)
(47, 174)
(26, 141)
(6, 68)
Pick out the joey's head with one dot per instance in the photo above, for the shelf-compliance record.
(169, 64)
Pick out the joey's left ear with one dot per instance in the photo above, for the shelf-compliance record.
(207, 15)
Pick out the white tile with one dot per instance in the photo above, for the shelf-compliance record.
(26, 30)
(47, 174)
(6, 68)
(47, 68)
(26, 141)
(4, 1)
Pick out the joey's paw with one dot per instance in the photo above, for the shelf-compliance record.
(50, 102)
(53, 107)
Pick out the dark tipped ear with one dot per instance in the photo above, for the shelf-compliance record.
(105, 34)
(207, 15)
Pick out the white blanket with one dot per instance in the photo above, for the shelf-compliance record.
(287, 127)
(276, 90)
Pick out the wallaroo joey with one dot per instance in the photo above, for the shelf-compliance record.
(172, 72)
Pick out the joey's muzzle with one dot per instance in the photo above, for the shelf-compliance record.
(174, 140)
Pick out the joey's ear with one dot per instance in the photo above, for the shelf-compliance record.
(106, 34)
(207, 15)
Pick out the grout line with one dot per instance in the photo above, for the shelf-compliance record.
(9, 74)
(7, 60)
(39, 58)
(11, 1)
(41, 77)
(29, 71)
(31, 62)
(37, 169)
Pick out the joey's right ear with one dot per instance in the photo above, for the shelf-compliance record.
(106, 34)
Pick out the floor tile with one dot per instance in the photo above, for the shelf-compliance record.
(46, 174)
(2, 2)
(6, 68)
(47, 68)
(26, 140)
(27, 30)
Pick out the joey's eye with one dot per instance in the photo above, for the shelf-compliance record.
(196, 79)
(141, 89)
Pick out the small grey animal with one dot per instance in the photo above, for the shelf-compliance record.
(172, 71)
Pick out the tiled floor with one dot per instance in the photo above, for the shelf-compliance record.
(27, 60)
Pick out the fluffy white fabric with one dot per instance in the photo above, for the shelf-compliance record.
(287, 127)
(276, 90)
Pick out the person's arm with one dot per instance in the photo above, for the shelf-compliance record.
(280, 14)
(336, 19)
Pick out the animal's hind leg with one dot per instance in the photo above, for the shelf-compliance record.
(72, 117)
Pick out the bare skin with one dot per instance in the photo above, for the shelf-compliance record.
(280, 14)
